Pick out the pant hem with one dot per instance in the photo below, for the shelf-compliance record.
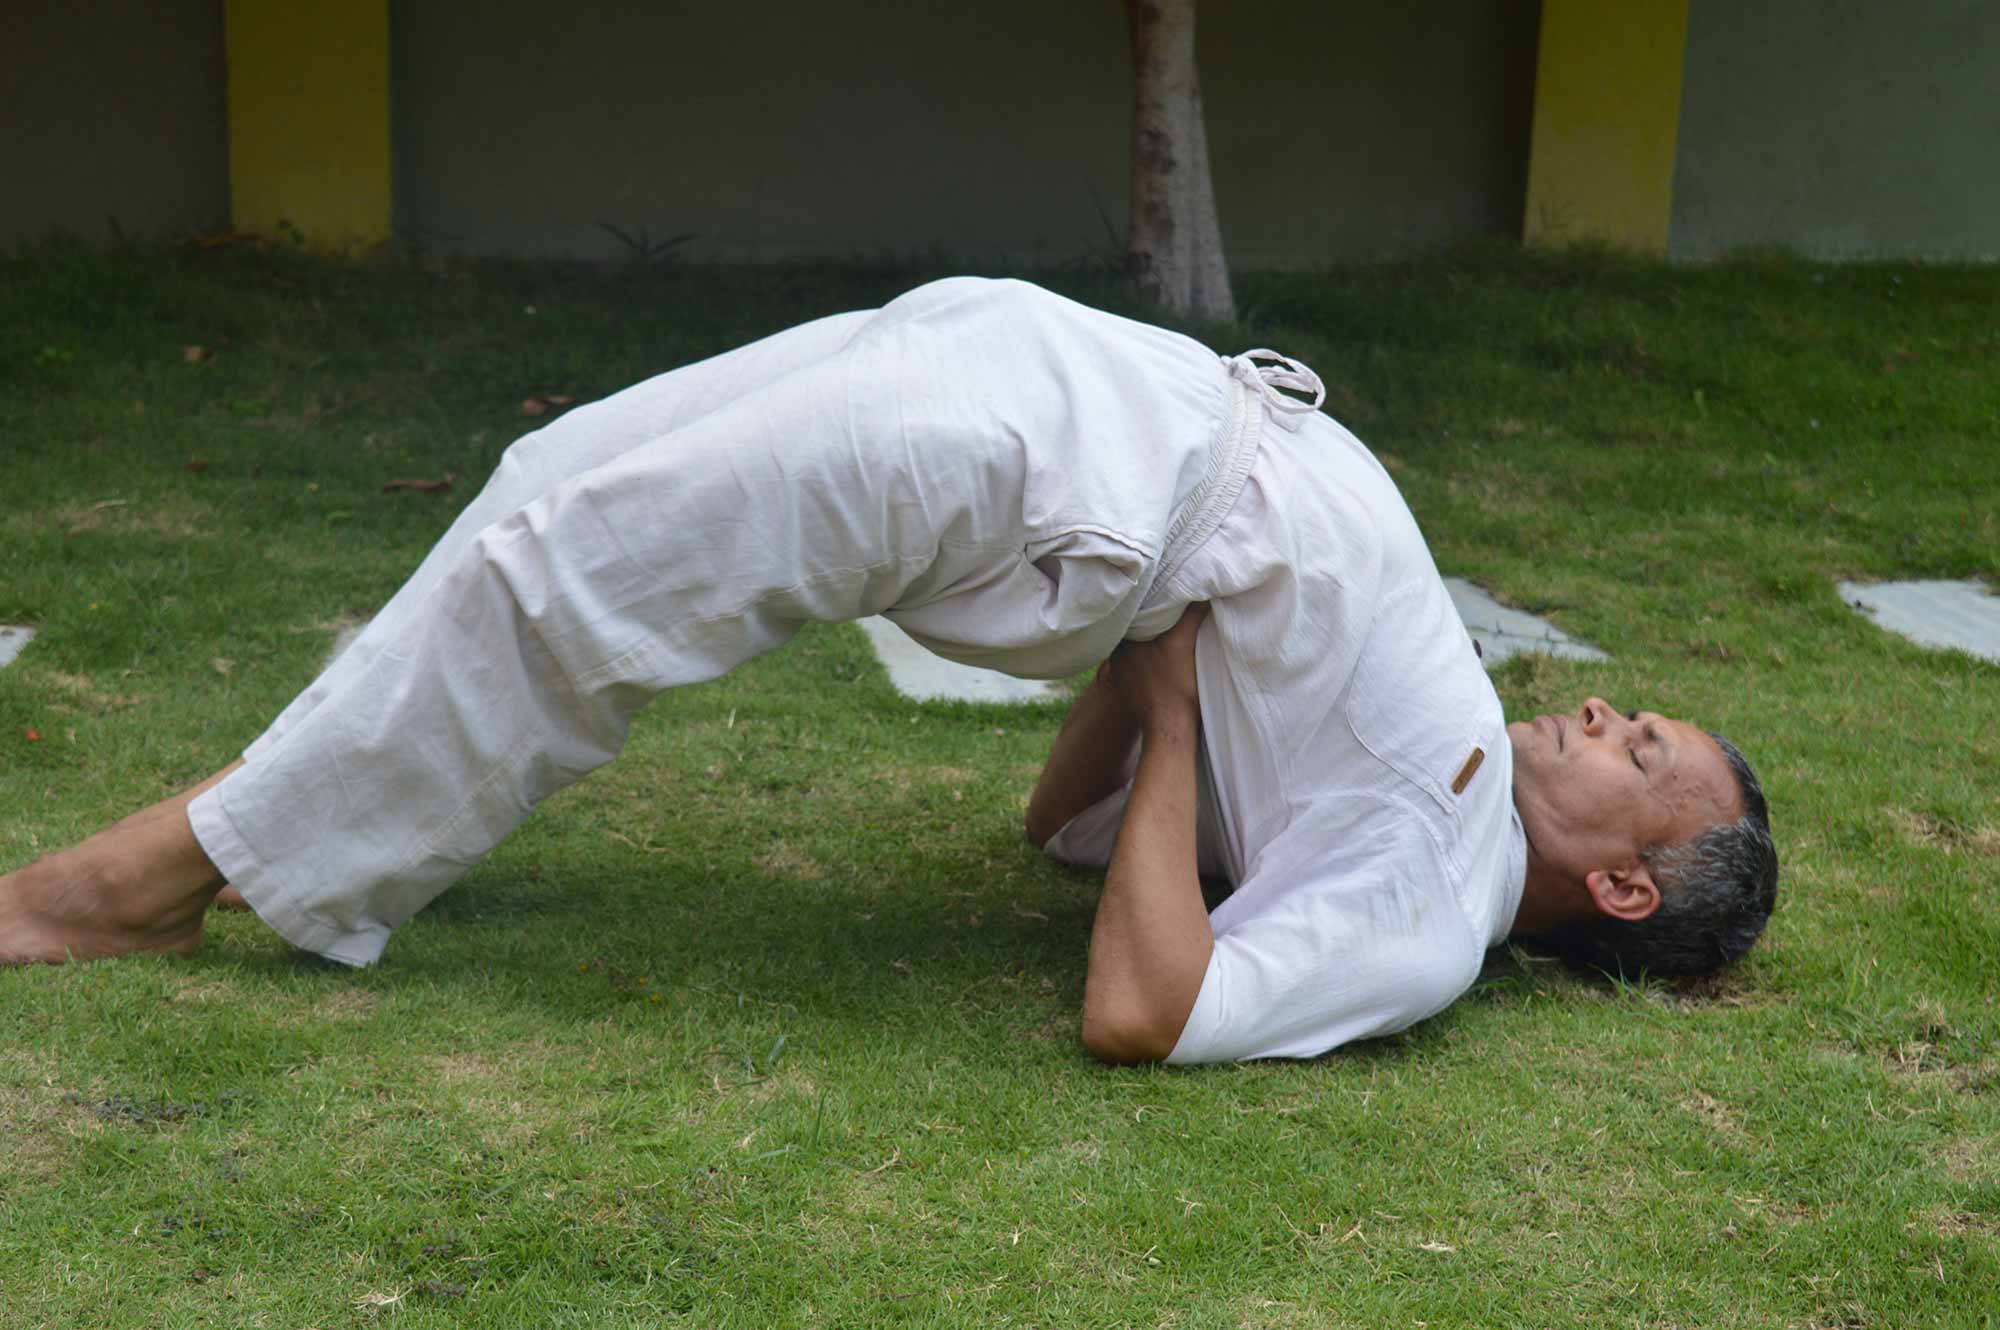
(226, 848)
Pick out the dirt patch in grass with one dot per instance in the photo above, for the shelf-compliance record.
(1825, 881)
(1935, 1056)
(782, 860)
(488, 1089)
(171, 516)
(1950, 1221)
(1733, 987)
(1971, 1159)
(733, 1081)
(337, 1006)
(201, 992)
(1919, 1062)
(90, 694)
(1934, 832)
(1712, 1111)
(346, 1004)
(1258, 1312)
(897, 779)
(36, 1124)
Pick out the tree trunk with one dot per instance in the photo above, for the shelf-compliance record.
(1173, 243)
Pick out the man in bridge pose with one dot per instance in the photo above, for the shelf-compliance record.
(1026, 484)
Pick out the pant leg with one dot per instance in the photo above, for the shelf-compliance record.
(520, 667)
(583, 439)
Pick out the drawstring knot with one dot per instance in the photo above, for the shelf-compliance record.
(1286, 373)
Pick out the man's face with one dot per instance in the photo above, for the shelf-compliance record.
(1596, 788)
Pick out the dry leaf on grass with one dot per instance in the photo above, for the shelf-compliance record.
(540, 404)
(194, 355)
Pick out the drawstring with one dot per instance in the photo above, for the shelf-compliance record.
(1287, 373)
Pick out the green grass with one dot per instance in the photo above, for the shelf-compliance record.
(774, 1021)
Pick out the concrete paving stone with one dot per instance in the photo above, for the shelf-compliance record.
(919, 675)
(1961, 615)
(13, 641)
(1502, 632)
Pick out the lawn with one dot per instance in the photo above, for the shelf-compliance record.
(773, 1022)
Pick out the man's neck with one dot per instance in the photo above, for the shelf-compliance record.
(1548, 900)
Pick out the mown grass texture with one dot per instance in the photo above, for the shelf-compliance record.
(773, 1021)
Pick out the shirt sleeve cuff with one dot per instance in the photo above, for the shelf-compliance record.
(1086, 840)
(1204, 1020)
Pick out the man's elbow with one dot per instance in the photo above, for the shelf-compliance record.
(1125, 1039)
(1040, 828)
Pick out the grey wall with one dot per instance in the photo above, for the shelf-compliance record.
(1359, 131)
(1841, 128)
(978, 131)
(112, 109)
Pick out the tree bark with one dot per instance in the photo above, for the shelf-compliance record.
(1173, 242)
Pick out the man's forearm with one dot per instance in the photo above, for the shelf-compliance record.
(1088, 762)
(1150, 944)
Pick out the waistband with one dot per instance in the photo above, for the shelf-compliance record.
(1254, 396)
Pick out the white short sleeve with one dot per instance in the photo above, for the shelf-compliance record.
(1086, 840)
(1306, 961)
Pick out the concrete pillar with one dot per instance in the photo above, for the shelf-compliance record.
(309, 120)
(1607, 119)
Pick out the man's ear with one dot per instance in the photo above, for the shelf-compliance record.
(1624, 893)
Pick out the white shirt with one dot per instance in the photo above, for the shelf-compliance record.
(1341, 702)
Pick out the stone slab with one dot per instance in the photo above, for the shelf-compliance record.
(1961, 615)
(1502, 632)
(13, 641)
(919, 675)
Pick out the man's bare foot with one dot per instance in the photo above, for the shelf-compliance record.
(141, 885)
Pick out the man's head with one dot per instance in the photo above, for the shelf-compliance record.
(1649, 844)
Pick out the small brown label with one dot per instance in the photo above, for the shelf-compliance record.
(1468, 771)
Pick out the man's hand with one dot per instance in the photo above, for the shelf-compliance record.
(1155, 681)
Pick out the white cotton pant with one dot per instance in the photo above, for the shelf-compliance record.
(1001, 471)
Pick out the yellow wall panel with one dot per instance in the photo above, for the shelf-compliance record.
(1607, 116)
(309, 119)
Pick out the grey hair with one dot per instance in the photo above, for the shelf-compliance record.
(1716, 893)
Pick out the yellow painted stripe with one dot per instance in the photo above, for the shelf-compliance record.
(309, 120)
(1607, 118)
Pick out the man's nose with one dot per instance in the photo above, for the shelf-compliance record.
(1596, 714)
